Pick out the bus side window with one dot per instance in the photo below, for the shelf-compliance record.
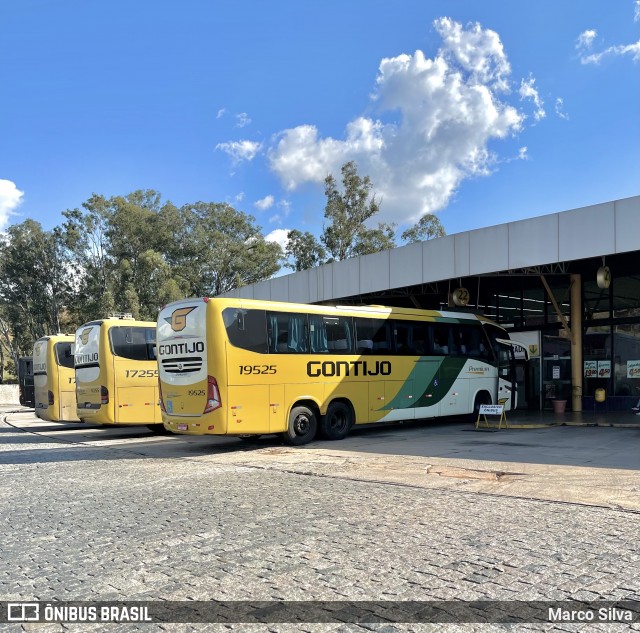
(288, 332)
(318, 338)
(404, 338)
(373, 336)
(248, 331)
(365, 346)
(440, 340)
(338, 334)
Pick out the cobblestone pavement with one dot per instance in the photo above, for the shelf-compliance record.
(99, 523)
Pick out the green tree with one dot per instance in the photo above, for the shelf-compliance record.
(85, 236)
(35, 284)
(303, 251)
(382, 238)
(346, 234)
(122, 247)
(139, 235)
(427, 227)
(223, 249)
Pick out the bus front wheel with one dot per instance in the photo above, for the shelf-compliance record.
(337, 423)
(303, 425)
(482, 398)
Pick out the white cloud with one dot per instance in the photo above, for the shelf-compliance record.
(441, 115)
(221, 113)
(528, 91)
(585, 39)
(242, 119)
(628, 49)
(10, 198)
(279, 236)
(559, 109)
(240, 150)
(265, 203)
(523, 153)
(285, 205)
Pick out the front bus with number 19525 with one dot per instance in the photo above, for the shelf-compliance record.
(245, 367)
(117, 372)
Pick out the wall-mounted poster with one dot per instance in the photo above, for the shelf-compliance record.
(590, 368)
(604, 369)
(633, 369)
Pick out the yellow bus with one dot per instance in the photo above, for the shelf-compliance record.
(117, 372)
(246, 367)
(54, 378)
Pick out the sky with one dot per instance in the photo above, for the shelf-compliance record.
(480, 112)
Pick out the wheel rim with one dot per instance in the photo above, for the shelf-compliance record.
(338, 421)
(302, 424)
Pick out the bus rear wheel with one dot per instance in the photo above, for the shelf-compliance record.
(158, 429)
(303, 425)
(338, 421)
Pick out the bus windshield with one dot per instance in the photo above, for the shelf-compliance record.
(64, 354)
(133, 342)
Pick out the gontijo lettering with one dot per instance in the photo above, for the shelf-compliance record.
(348, 368)
(180, 348)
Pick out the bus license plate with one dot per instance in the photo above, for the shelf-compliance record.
(183, 427)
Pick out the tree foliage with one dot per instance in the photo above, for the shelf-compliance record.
(427, 227)
(303, 251)
(130, 253)
(135, 253)
(349, 210)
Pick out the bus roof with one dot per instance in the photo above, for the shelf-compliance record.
(373, 310)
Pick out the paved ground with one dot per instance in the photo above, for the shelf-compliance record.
(438, 512)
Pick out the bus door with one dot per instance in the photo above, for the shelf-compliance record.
(507, 376)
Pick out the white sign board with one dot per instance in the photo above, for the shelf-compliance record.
(528, 340)
(556, 372)
(604, 369)
(491, 409)
(633, 369)
(590, 368)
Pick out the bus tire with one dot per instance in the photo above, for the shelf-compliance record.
(158, 429)
(249, 438)
(303, 424)
(337, 422)
(482, 398)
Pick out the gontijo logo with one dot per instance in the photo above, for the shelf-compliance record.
(178, 318)
(84, 335)
(37, 348)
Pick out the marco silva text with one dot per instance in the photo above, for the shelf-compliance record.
(604, 614)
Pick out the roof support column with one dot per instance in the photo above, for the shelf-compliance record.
(576, 343)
